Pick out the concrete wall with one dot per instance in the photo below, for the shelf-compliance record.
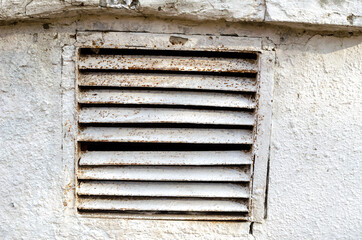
(322, 12)
(314, 179)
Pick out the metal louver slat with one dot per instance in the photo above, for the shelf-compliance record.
(166, 173)
(112, 158)
(163, 189)
(101, 96)
(167, 63)
(151, 115)
(162, 204)
(158, 80)
(166, 133)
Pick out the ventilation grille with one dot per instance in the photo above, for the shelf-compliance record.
(166, 134)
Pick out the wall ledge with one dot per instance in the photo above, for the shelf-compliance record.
(279, 12)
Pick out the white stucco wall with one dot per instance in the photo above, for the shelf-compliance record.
(322, 12)
(314, 188)
(334, 12)
(314, 179)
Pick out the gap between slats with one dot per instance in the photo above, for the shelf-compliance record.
(169, 53)
(167, 147)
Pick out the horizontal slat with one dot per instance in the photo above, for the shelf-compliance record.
(154, 80)
(162, 205)
(106, 158)
(102, 96)
(159, 189)
(154, 115)
(169, 63)
(166, 135)
(141, 173)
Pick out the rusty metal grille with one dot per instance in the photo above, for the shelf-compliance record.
(166, 134)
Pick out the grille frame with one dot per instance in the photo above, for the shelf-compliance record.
(261, 133)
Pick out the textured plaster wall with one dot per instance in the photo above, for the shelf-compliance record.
(314, 179)
(337, 12)
(315, 186)
(330, 12)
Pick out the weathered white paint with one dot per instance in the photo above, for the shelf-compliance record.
(154, 80)
(159, 189)
(163, 205)
(180, 61)
(314, 185)
(166, 135)
(99, 158)
(161, 115)
(164, 63)
(116, 96)
(263, 134)
(168, 173)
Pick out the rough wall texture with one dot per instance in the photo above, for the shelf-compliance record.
(314, 185)
(232, 10)
(316, 147)
(331, 12)
(337, 12)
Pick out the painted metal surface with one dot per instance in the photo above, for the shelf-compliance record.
(167, 180)
(167, 63)
(167, 80)
(184, 205)
(166, 173)
(262, 136)
(183, 98)
(114, 158)
(162, 115)
(166, 135)
(163, 189)
(154, 215)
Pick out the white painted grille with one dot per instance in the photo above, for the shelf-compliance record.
(166, 134)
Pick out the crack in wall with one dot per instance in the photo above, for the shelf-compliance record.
(26, 5)
(267, 187)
